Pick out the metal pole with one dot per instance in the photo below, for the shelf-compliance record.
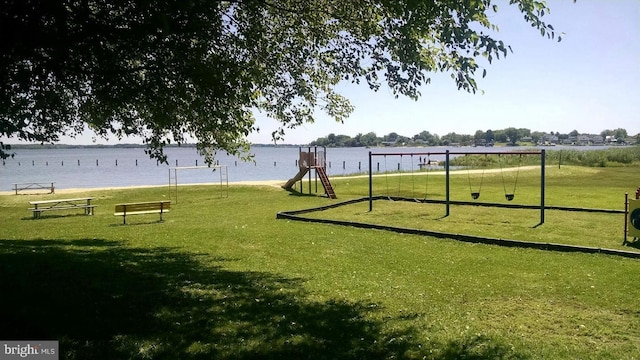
(309, 167)
(626, 216)
(447, 183)
(370, 185)
(542, 184)
(302, 179)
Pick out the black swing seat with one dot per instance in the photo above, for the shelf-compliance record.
(509, 196)
(475, 195)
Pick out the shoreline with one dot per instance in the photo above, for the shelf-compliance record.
(273, 183)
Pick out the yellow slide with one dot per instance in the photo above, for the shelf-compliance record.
(292, 181)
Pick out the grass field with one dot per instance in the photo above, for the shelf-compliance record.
(222, 278)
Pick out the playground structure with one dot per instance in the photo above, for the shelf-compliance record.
(632, 217)
(312, 159)
(631, 211)
(475, 193)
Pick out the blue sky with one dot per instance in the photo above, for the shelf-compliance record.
(590, 81)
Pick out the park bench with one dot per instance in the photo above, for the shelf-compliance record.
(39, 187)
(41, 206)
(149, 207)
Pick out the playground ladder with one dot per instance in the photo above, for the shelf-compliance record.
(326, 183)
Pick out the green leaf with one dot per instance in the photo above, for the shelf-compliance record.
(185, 69)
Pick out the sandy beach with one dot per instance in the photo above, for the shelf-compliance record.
(279, 183)
(274, 183)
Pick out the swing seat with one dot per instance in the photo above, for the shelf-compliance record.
(475, 195)
(509, 196)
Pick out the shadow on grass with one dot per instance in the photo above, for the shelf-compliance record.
(102, 300)
(293, 192)
(46, 216)
(634, 243)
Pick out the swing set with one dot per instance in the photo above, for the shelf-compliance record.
(475, 194)
(423, 163)
(509, 193)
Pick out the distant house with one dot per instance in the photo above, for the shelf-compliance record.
(583, 139)
(549, 139)
(597, 139)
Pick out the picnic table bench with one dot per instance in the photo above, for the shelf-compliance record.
(149, 207)
(17, 187)
(83, 203)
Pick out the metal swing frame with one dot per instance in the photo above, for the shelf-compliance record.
(447, 154)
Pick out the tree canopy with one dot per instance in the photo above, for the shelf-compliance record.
(171, 70)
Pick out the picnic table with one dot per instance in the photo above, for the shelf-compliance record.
(34, 186)
(83, 203)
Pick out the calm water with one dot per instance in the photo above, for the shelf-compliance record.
(116, 167)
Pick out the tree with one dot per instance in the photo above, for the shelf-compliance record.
(537, 136)
(513, 135)
(453, 138)
(369, 139)
(620, 133)
(392, 137)
(489, 136)
(171, 70)
(605, 133)
(321, 141)
(500, 136)
(427, 138)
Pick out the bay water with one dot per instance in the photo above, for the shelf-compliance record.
(97, 167)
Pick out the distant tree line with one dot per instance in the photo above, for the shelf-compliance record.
(510, 136)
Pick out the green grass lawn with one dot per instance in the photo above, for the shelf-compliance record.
(222, 278)
(574, 187)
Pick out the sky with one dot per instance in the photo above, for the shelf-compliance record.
(590, 81)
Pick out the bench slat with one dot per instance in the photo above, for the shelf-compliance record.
(59, 200)
(122, 213)
(129, 208)
(63, 207)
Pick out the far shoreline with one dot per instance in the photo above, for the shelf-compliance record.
(274, 183)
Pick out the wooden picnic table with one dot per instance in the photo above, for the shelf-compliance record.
(83, 203)
(34, 186)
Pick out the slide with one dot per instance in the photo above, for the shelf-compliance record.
(295, 179)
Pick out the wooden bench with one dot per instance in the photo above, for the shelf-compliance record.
(83, 203)
(17, 187)
(149, 207)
